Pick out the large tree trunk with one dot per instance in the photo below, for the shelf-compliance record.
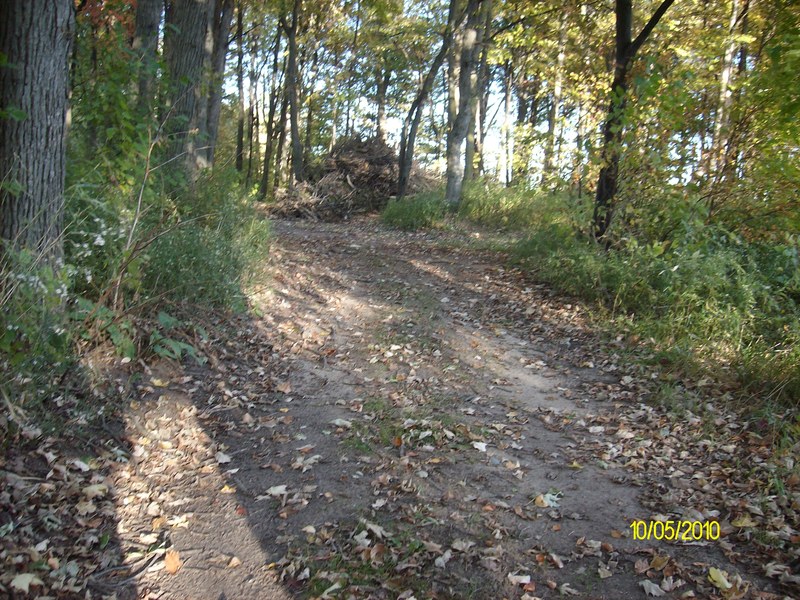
(187, 50)
(145, 44)
(625, 51)
(471, 40)
(35, 37)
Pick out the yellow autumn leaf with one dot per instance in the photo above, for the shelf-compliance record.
(719, 578)
(226, 489)
(743, 521)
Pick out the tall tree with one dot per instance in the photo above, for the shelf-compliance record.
(293, 83)
(625, 50)
(195, 49)
(471, 41)
(35, 41)
(220, 34)
(411, 122)
(145, 44)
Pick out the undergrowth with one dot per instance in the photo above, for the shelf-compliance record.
(122, 277)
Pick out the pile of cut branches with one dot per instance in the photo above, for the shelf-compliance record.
(358, 176)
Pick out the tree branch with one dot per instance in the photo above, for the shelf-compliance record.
(648, 29)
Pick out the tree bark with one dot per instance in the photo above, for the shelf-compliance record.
(625, 51)
(35, 37)
(145, 45)
(222, 16)
(292, 84)
(240, 87)
(471, 40)
(187, 50)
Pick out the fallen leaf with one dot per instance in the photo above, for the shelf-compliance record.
(480, 446)
(651, 589)
(97, 490)
(744, 521)
(277, 490)
(566, 590)
(172, 562)
(284, 387)
(719, 579)
(222, 458)
(519, 579)
(441, 562)
(234, 562)
(23, 581)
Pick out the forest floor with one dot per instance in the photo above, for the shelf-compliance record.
(403, 415)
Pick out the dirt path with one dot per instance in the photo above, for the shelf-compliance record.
(409, 418)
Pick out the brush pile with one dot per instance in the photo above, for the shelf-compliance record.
(358, 176)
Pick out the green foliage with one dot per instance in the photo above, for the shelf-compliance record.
(708, 297)
(34, 329)
(416, 212)
(211, 249)
(514, 208)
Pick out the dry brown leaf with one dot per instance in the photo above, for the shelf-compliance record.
(172, 562)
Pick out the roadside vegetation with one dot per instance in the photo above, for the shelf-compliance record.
(709, 299)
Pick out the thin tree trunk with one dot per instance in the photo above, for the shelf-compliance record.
(35, 36)
(411, 123)
(508, 136)
(351, 68)
(626, 50)
(264, 187)
(222, 16)
(722, 122)
(145, 45)
(555, 105)
(240, 88)
(474, 130)
(292, 84)
(383, 77)
(282, 149)
(308, 141)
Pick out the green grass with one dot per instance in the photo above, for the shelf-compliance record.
(416, 212)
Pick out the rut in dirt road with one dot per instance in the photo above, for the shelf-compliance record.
(408, 417)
